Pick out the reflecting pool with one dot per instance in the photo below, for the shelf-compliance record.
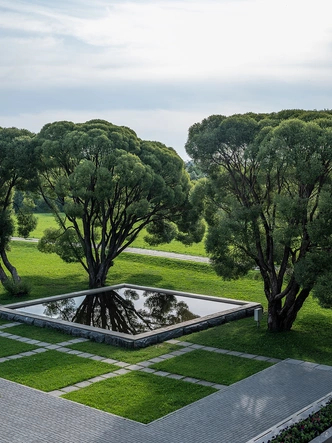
(128, 310)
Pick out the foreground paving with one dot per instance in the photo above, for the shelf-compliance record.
(233, 415)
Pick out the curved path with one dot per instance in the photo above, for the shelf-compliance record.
(142, 251)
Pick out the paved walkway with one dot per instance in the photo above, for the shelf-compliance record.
(233, 414)
(142, 251)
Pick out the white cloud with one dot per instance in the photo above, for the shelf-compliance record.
(160, 66)
(170, 39)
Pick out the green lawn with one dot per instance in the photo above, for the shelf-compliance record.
(210, 366)
(12, 347)
(123, 354)
(52, 370)
(310, 338)
(47, 221)
(139, 396)
(42, 334)
(48, 275)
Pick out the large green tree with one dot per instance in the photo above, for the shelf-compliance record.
(105, 185)
(268, 202)
(17, 172)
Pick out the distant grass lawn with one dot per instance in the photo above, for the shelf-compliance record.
(210, 366)
(52, 370)
(151, 396)
(12, 347)
(47, 220)
(122, 354)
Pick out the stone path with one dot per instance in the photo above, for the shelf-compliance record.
(234, 414)
(143, 366)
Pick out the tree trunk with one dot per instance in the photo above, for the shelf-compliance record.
(3, 276)
(281, 318)
(10, 267)
(98, 275)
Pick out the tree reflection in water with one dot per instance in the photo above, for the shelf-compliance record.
(110, 310)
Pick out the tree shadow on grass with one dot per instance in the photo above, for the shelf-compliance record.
(42, 286)
(141, 279)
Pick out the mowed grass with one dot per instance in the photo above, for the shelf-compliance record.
(123, 354)
(48, 275)
(151, 396)
(52, 370)
(46, 221)
(309, 340)
(12, 347)
(42, 334)
(211, 366)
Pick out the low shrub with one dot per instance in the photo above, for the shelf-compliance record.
(308, 429)
(16, 289)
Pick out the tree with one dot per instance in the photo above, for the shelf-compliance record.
(267, 202)
(110, 185)
(193, 170)
(17, 171)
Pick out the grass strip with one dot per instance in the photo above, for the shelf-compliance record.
(306, 342)
(43, 334)
(139, 396)
(52, 370)
(123, 354)
(12, 347)
(210, 366)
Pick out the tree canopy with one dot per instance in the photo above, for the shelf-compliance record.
(105, 185)
(267, 202)
(17, 171)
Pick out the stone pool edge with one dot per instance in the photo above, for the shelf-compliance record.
(245, 309)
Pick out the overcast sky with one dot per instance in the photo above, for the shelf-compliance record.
(160, 66)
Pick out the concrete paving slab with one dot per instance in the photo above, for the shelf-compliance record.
(234, 414)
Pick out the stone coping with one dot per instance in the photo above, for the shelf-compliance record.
(244, 309)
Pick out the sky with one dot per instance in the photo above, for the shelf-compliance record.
(160, 66)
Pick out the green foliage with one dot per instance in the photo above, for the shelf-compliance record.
(16, 289)
(6, 228)
(65, 243)
(26, 221)
(306, 430)
(110, 186)
(46, 221)
(323, 290)
(267, 201)
(17, 172)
